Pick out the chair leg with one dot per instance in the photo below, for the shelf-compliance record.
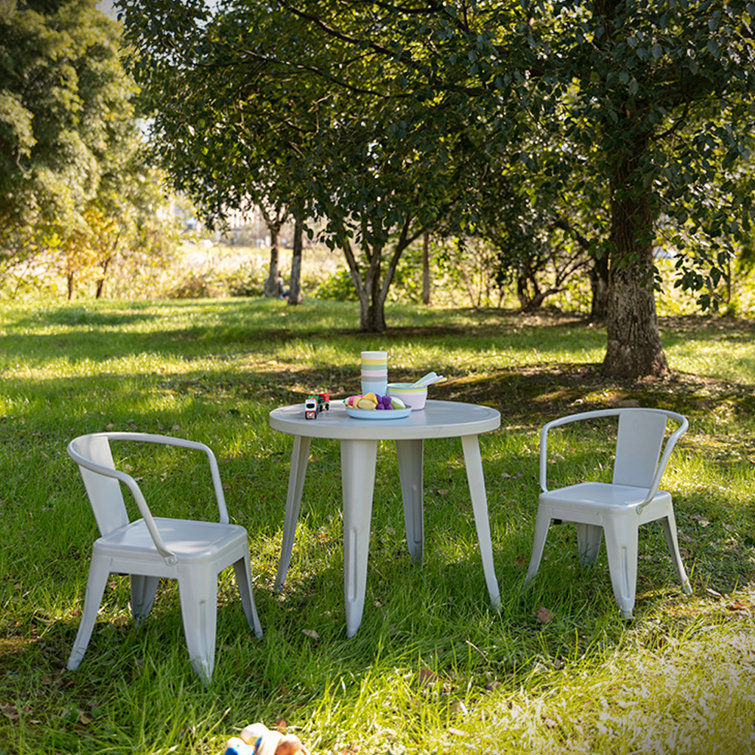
(199, 602)
(621, 548)
(98, 576)
(244, 584)
(143, 590)
(589, 538)
(669, 530)
(542, 522)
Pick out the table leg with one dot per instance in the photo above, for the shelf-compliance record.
(299, 459)
(358, 480)
(409, 454)
(473, 461)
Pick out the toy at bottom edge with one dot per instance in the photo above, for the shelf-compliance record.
(257, 739)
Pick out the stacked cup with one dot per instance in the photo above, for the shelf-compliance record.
(375, 372)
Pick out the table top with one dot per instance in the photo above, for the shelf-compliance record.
(439, 419)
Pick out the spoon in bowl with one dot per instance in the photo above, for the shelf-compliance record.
(428, 379)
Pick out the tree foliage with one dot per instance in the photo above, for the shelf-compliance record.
(609, 125)
(65, 104)
(650, 104)
(74, 184)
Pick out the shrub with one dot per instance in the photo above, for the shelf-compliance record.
(196, 285)
(337, 287)
(247, 280)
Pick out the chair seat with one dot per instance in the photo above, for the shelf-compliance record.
(190, 540)
(601, 495)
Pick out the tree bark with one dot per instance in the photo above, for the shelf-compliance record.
(599, 288)
(634, 344)
(372, 305)
(100, 285)
(271, 284)
(426, 268)
(294, 285)
(372, 291)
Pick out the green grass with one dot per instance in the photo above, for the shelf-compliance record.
(433, 668)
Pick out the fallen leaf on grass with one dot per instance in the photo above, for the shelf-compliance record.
(544, 615)
(311, 633)
(737, 606)
(426, 676)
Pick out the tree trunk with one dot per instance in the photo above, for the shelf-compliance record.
(373, 292)
(528, 290)
(100, 285)
(372, 304)
(372, 317)
(599, 288)
(69, 284)
(271, 284)
(294, 285)
(426, 268)
(634, 344)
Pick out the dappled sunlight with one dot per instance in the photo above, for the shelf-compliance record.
(431, 657)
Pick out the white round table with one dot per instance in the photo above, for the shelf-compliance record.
(359, 439)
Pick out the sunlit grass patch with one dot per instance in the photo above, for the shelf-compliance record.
(433, 668)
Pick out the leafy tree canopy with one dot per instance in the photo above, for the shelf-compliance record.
(642, 108)
(65, 103)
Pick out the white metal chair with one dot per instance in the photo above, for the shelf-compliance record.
(616, 509)
(192, 552)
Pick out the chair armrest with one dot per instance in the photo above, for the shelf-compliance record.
(557, 423)
(669, 447)
(166, 440)
(660, 469)
(141, 503)
(133, 486)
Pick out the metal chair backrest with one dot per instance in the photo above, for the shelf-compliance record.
(105, 495)
(638, 447)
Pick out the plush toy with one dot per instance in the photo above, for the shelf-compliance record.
(257, 739)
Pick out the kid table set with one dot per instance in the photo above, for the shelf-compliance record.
(384, 411)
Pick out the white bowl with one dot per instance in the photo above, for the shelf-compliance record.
(413, 396)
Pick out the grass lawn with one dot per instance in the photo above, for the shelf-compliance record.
(433, 668)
